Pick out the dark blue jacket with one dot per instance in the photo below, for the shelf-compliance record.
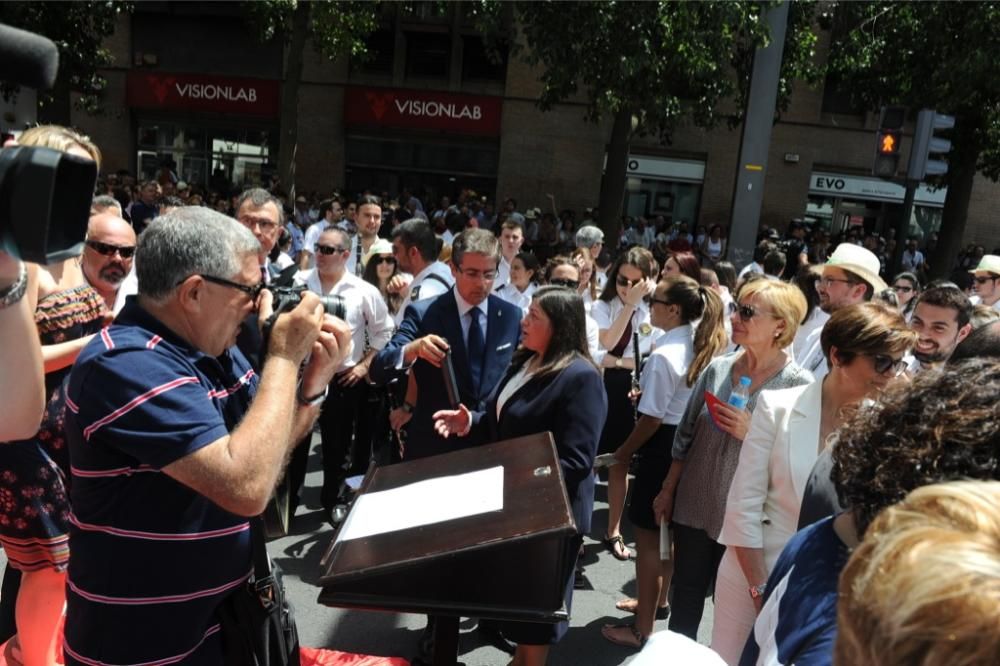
(439, 316)
(572, 405)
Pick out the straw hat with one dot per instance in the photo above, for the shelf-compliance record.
(381, 246)
(990, 263)
(857, 260)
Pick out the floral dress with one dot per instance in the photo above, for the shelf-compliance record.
(34, 502)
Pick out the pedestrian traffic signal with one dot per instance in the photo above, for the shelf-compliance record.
(887, 141)
(926, 145)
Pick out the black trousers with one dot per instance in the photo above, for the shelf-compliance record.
(345, 427)
(696, 560)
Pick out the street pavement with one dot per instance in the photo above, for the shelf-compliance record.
(395, 634)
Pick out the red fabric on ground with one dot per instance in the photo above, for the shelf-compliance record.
(320, 657)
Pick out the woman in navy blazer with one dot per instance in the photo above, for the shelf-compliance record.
(553, 386)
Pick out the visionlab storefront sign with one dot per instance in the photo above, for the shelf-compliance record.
(194, 92)
(421, 109)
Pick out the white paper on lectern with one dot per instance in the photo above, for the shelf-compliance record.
(425, 503)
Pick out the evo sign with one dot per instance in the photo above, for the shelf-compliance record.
(871, 189)
(194, 92)
(422, 109)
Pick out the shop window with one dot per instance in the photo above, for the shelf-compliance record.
(675, 201)
(479, 64)
(428, 54)
(381, 46)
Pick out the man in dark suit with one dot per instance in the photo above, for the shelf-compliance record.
(481, 330)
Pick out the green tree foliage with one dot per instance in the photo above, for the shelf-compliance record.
(652, 67)
(939, 55)
(78, 30)
(337, 29)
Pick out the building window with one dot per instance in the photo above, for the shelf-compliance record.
(428, 54)
(381, 46)
(837, 98)
(478, 63)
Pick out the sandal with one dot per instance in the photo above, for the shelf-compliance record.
(616, 545)
(631, 605)
(634, 640)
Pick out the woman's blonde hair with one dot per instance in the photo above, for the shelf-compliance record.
(701, 304)
(924, 585)
(784, 300)
(59, 138)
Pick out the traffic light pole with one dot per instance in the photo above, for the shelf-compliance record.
(902, 229)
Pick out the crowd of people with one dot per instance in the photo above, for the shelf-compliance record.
(784, 425)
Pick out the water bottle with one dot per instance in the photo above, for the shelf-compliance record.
(741, 394)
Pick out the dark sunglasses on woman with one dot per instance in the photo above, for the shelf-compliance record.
(384, 260)
(883, 363)
(564, 282)
(748, 312)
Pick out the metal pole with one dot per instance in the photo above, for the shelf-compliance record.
(903, 229)
(756, 140)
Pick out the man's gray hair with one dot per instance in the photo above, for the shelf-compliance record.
(102, 202)
(588, 236)
(190, 241)
(477, 241)
(258, 197)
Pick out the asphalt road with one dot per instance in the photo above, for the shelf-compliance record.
(394, 634)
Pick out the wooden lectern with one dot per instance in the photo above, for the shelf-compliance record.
(510, 564)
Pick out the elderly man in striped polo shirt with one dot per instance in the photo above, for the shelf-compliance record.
(175, 442)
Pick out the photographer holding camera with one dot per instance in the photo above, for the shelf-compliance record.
(176, 441)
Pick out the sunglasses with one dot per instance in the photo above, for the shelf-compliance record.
(384, 260)
(748, 312)
(883, 363)
(564, 282)
(661, 301)
(329, 249)
(252, 291)
(979, 280)
(624, 281)
(125, 251)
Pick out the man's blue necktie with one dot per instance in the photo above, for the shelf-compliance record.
(475, 347)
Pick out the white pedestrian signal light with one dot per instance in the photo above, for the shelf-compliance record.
(927, 147)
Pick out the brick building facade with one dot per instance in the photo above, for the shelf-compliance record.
(818, 167)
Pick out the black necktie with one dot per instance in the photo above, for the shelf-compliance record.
(475, 347)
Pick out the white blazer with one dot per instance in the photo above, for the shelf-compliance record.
(782, 444)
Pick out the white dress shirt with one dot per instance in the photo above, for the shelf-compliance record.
(664, 386)
(365, 309)
(515, 296)
(812, 357)
(421, 287)
(605, 313)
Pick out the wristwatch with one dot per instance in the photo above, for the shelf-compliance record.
(618, 362)
(757, 591)
(15, 292)
(407, 407)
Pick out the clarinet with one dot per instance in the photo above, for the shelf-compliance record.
(636, 370)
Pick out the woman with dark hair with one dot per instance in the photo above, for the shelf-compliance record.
(942, 426)
(523, 280)
(621, 312)
(682, 263)
(713, 248)
(726, 273)
(380, 268)
(681, 353)
(588, 276)
(551, 385)
(864, 345)
(907, 288)
(805, 280)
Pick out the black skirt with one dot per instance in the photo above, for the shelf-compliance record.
(653, 463)
(621, 411)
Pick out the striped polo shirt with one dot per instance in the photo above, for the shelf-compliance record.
(150, 559)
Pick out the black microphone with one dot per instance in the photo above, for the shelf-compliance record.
(27, 59)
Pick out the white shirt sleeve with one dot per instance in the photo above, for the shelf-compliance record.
(658, 383)
(380, 324)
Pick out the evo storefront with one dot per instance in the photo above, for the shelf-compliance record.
(220, 132)
(664, 186)
(838, 202)
(425, 141)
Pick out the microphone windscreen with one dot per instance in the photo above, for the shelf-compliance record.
(27, 59)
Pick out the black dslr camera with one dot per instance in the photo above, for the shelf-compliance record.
(286, 298)
(44, 194)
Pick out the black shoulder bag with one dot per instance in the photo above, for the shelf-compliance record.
(258, 624)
